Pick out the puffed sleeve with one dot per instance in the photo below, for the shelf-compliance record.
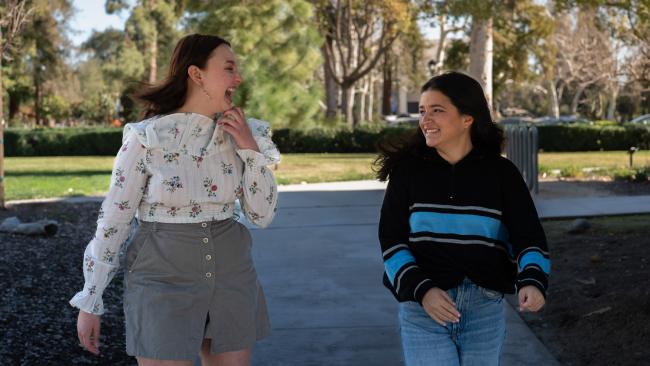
(100, 260)
(259, 197)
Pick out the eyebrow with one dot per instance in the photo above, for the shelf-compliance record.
(231, 62)
(433, 105)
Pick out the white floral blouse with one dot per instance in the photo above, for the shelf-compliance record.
(176, 168)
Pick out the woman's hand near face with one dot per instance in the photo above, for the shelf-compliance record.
(233, 122)
(438, 305)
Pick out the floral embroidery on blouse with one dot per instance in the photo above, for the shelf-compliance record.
(254, 188)
(226, 168)
(174, 183)
(119, 177)
(172, 211)
(210, 187)
(140, 167)
(109, 231)
(123, 205)
(152, 209)
(198, 159)
(108, 256)
(172, 157)
(174, 131)
(90, 264)
(195, 210)
(196, 132)
(250, 162)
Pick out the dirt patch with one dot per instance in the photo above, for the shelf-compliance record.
(598, 309)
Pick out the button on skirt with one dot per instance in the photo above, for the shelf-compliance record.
(188, 282)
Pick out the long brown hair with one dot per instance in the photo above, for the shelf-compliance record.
(170, 94)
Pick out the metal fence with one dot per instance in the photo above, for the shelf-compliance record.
(521, 149)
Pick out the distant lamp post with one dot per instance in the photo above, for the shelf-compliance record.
(631, 152)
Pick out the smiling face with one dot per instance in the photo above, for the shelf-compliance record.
(443, 126)
(219, 78)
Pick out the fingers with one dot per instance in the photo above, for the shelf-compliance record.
(95, 337)
(530, 299)
(88, 331)
(235, 114)
(440, 307)
(90, 343)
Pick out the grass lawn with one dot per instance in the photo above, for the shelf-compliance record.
(601, 163)
(42, 177)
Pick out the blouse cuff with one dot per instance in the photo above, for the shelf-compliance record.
(88, 302)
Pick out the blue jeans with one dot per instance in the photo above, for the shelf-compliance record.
(476, 340)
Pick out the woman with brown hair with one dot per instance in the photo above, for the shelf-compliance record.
(190, 285)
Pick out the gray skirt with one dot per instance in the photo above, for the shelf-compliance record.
(187, 282)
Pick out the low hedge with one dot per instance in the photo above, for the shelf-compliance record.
(106, 141)
(593, 138)
(62, 141)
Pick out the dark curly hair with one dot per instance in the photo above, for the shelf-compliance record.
(467, 95)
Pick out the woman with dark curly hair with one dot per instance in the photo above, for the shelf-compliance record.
(458, 229)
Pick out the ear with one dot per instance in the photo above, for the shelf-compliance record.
(194, 73)
(467, 121)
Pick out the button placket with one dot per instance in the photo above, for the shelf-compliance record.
(207, 252)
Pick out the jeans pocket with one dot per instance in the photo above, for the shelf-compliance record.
(491, 294)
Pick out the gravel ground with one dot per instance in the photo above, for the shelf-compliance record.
(38, 276)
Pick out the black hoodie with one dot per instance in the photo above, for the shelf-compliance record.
(441, 223)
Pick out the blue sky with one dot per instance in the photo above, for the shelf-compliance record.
(89, 15)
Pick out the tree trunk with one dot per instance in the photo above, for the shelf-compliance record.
(37, 95)
(2, 127)
(553, 103)
(153, 57)
(440, 50)
(371, 98)
(365, 91)
(402, 102)
(611, 109)
(331, 88)
(576, 99)
(480, 55)
(14, 106)
(362, 104)
(387, 87)
(347, 103)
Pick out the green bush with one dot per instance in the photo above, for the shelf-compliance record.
(632, 175)
(582, 137)
(106, 141)
(62, 141)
